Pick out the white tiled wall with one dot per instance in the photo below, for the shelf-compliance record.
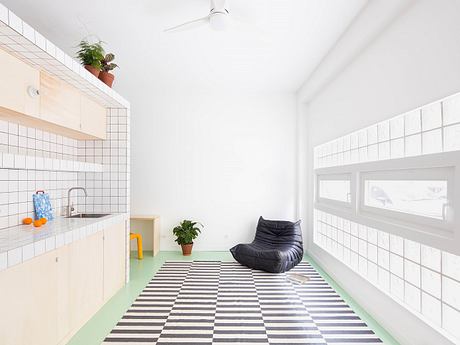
(426, 280)
(109, 190)
(31, 159)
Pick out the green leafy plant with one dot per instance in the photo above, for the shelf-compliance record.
(107, 64)
(91, 53)
(187, 231)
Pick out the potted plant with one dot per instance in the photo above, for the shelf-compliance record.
(185, 233)
(90, 55)
(106, 66)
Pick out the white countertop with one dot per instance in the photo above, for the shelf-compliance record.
(23, 242)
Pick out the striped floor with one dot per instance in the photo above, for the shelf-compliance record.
(213, 302)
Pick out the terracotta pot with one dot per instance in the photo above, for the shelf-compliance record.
(93, 70)
(187, 249)
(107, 78)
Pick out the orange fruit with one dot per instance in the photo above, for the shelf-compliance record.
(43, 220)
(37, 223)
(27, 221)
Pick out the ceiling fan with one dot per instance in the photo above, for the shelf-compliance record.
(217, 18)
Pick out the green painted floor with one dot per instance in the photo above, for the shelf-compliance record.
(95, 330)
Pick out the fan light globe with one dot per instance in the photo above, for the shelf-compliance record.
(219, 21)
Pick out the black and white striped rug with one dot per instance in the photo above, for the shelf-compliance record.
(213, 302)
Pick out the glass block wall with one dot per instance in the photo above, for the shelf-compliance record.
(431, 129)
(423, 279)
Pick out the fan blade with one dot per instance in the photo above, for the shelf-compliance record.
(188, 23)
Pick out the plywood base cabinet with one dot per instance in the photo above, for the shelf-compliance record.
(44, 301)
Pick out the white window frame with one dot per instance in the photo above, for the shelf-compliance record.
(332, 202)
(444, 235)
(445, 174)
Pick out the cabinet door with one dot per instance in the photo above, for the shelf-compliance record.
(93, 118)
(63, 292)
(60, 102)
(85, 279)
(28, 302)
(16, 78)
(115, 238)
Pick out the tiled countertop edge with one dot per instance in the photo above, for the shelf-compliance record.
(26, 252)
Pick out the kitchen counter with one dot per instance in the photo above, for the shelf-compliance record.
(23, 242)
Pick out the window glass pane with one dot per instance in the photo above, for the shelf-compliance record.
(335, 190)
(423, 198)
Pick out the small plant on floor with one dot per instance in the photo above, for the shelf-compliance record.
(185, 233)
(107, 65)
(90, 56)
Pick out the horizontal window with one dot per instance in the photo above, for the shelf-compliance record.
(338, 190)
(423, 195)
(427, 198)
(335, 190)
(417, 197)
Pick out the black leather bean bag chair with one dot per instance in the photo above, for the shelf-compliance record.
(276, 248)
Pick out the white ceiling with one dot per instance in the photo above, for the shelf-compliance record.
(274, 46)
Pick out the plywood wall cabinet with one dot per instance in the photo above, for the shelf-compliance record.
(93, 118)
(59, 102)
(16, 78)
(36, 99)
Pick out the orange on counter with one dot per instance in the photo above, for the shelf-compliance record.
(27, 221)
(43, 220)
(37, 223)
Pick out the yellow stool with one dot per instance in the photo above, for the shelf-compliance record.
(138, 237)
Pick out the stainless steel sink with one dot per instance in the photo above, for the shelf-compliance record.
(89, 215)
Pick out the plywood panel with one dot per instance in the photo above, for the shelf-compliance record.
(115, 238)
(15, 78)
(60, 102)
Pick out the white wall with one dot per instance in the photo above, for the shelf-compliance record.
(413, 60)
(223, 159)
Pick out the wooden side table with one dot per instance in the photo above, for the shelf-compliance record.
(149, 227)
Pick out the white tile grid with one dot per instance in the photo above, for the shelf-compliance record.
(17, 187)
(100, 166)
(423, 279)
(29, 148)
(430, 129)
(20, 39)
(108, 190)
(20, 140)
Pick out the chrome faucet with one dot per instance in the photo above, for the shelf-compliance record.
(70, 207)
